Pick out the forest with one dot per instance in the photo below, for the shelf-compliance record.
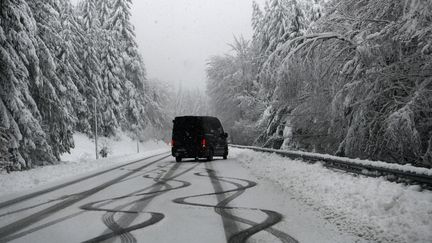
(58, 62)
(345, 77)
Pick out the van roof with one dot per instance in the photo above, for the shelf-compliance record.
(203, 118)
(195, 123)
(195, 117)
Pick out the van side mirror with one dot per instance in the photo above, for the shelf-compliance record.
(224, 135)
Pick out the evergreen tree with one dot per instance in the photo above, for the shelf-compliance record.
(57, 94)
(133, 82)
(123, 32)
(70, 68)
(257, 20)
(111, 81)
(119, 22)
(19, 72)
(56, 60)
(93, 87)
(104, 9)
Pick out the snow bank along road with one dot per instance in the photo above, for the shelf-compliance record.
(158, 200)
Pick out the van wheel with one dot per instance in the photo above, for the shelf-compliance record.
(178, 159)
(210, 157)
(225, 156)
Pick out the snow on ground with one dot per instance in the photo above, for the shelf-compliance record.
(121, 145)
(80, 160)
(376, 209)
(362, 162)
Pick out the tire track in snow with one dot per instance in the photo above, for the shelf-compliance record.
(50, 189)
(116, 227)
(53, 200)
(59, 220)
(233, 235)
(7, 230)
(71, 195)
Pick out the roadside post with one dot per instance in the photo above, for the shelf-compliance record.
(95, 130)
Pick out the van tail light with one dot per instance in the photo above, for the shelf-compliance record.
(172, 143)
(203, 143)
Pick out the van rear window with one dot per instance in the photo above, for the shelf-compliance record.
(187, 127)
(212, 125)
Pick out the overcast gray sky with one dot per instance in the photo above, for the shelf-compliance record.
(176, 37)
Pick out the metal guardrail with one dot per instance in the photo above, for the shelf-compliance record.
(393, 172)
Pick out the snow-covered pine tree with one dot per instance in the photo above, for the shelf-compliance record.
(102, 69)
(124, 35)
(136, 102)
(257, 19)
(112, 81)
(19, 71)
(104, 9)
(57, 95)
(71, 68)
(112, 71)
(91, 65)
(55, 61)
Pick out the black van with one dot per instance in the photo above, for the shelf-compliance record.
(198, 137)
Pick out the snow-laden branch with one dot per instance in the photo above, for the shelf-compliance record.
(313, 38)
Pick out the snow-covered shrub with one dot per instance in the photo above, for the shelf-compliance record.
(383, 101)
(105, 147)
(349, 77)
(401, 136)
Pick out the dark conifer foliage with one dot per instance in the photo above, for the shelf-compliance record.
(20, 76)
(56, 61)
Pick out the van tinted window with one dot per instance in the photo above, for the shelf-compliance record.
(212, 125)
(187, 127)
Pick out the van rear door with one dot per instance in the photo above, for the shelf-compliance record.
(186, 132)
(214, 130)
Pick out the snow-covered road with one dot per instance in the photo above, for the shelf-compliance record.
(158, 200)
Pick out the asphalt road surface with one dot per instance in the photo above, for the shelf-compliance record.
(159, 200)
